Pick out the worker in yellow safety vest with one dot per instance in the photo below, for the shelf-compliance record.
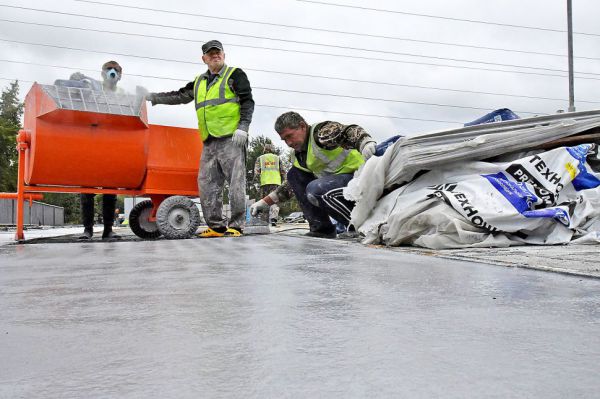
(224, 106)
(326, 156)
(269, 172)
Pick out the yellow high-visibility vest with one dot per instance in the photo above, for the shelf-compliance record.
(322, 162)
(269, 169)
(217, 107)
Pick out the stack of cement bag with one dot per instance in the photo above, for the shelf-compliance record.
(526, 181)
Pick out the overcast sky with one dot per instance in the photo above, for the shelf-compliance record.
(388, 47)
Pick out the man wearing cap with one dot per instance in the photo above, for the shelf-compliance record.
(326, 156)
(269, 172)
(111, 74)
(224, 106)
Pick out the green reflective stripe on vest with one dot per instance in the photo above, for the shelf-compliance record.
(217, 106)
(322, 162)
(269, 169)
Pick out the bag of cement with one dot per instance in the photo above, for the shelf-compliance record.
(543, 198)
(409, 157)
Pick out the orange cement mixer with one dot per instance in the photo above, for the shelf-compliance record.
(78, 140)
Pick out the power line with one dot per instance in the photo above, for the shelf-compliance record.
(267, 38)
(188, 62)
(475, 21)
(340, 79)
(351, 113)
(290, 41)
(391, 100)
(283, 90)
(315, 29)
(319, 110)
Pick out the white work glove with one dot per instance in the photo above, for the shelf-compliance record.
(260, 206)
(141, 91)
(368, 150)
(240, 138)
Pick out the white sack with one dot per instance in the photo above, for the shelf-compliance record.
(545, 198)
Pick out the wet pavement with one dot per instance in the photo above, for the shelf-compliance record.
(577, 260)
(282, 316)
(7, 235)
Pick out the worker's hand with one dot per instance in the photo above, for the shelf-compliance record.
(259, 206)
(368, 150)
(141, 91)
(240, 138)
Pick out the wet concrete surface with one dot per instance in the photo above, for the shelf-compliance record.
(577, 260)
(282, 316)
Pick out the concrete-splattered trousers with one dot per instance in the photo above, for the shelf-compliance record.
(321, 198)
(222, 161)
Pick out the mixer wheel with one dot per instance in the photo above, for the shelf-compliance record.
(177, 217)
(139, 223)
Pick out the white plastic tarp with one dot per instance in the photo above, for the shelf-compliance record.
(543, 198)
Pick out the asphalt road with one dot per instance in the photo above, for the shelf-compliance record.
(282, 316)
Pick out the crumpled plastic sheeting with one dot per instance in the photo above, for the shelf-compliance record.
(546, 198)
(409, 155)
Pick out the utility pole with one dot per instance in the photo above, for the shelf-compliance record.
(570, 39)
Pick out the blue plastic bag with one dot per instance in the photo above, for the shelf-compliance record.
(502, 114)
(381, 147)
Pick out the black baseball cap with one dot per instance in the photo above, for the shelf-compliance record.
(210, 45)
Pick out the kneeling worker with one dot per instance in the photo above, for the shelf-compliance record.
(326, 156)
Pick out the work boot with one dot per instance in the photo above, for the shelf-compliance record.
(233, 232)
(87, 234)
(319, 234)
(109, 235)
(216, 232)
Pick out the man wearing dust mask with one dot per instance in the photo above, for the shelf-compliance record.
(111, 74)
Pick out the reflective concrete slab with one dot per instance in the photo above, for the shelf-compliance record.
(281, 316)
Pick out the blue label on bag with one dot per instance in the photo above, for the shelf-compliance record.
(523, 200)
(516, 193)
(584, 179)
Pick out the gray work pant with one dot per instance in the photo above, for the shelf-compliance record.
(222, 161)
